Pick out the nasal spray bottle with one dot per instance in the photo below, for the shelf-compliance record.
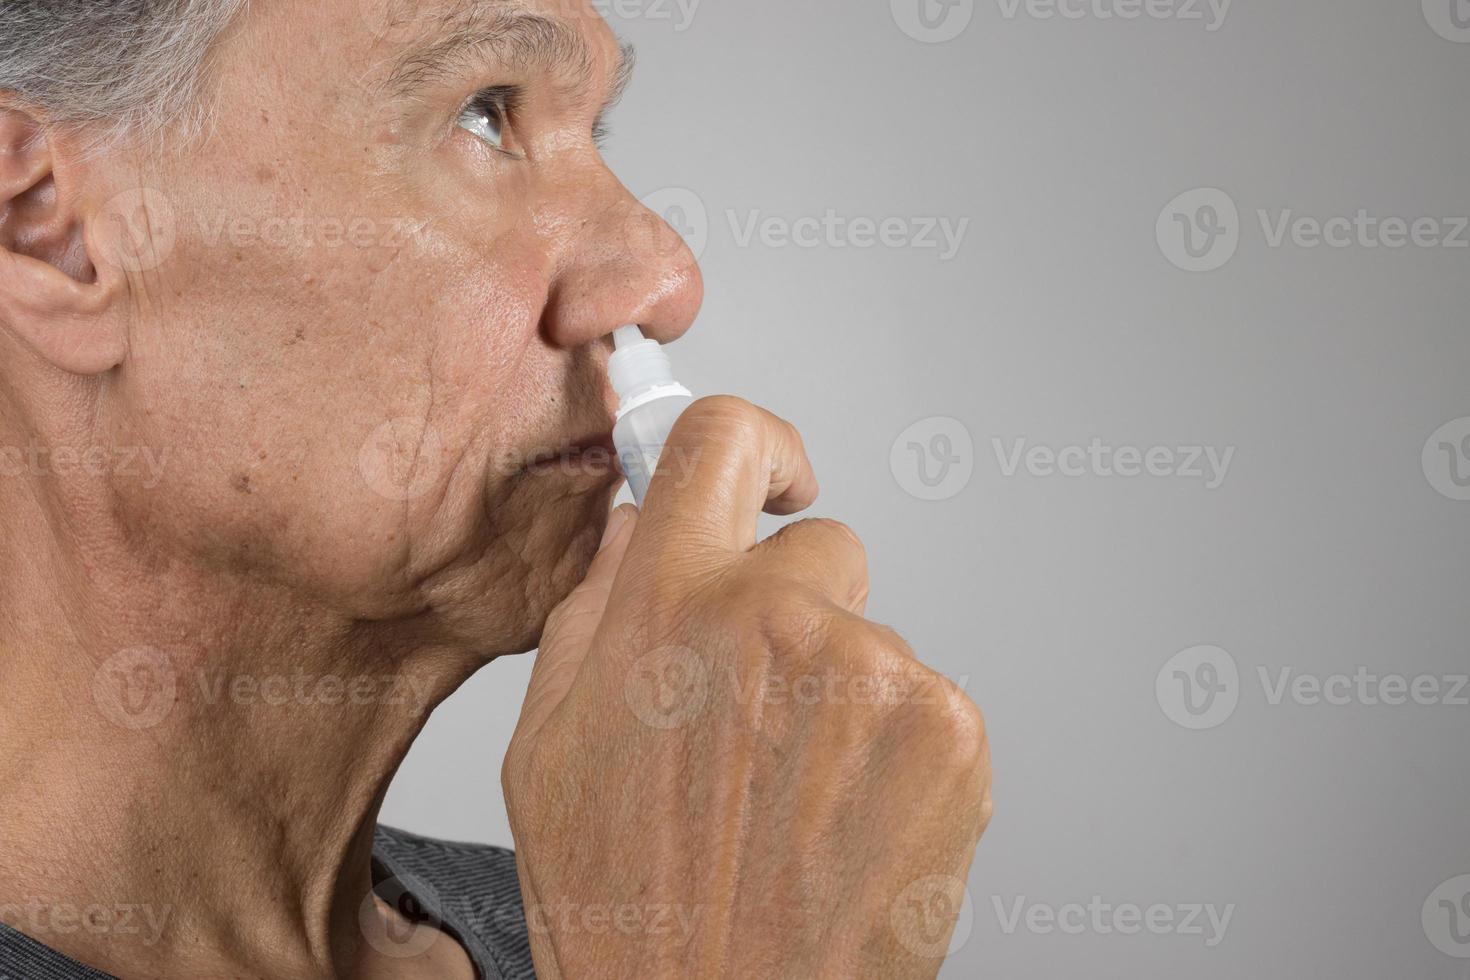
(650, 401)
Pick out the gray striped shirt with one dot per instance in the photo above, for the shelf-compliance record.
(468, 890)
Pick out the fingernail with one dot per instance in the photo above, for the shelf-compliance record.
(615, 524)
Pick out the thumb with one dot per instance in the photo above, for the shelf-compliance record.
(571, 625)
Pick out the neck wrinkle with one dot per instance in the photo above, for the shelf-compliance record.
(205, 750)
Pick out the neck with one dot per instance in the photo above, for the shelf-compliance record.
(202, 756)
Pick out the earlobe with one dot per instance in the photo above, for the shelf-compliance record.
(53, 296)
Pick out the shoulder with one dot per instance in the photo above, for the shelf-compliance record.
(472, 888)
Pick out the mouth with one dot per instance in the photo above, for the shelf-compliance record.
(589, 455)
(581, 448)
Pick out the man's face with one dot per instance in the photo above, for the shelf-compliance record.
(376, 297)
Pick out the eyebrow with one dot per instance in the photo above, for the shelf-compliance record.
(523, 40)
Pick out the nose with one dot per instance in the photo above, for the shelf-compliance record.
(620, 263)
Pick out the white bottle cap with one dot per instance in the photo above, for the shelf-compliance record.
(640, 370)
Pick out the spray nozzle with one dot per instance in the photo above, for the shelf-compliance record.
(649, 403)
(625, 337)
(639, 369)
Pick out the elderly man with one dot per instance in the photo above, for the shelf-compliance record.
(304, 317)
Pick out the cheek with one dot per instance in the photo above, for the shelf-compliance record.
(334, 380)
(427, 380)
(484, 308)
(327, 407)
(485, 370)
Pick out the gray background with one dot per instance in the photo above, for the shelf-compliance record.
(1055, 600)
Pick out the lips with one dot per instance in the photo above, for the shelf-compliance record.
(592, 453)
(602, 440)
(584, 442)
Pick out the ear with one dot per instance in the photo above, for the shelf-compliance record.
(53, 296)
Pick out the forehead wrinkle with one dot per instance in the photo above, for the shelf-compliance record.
(524, 41)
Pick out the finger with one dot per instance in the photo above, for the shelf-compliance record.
(823, 556)
(572, 625)
(724, 463)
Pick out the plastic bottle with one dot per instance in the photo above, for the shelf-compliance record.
(650, 401)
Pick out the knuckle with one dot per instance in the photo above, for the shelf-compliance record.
(789, 616)
(829, 539)
(792, 433)
(531, 775)
(731, 420)
(944, 720)
(964, 722)
(826, 555)
(873, 646)
(958, 729)
(871, 660)
(987, 808)
(512, 774)
(798, 623)
(718, 413)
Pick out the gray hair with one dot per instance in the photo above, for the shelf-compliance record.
(129, 64)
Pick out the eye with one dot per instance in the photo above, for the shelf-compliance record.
(487, 115)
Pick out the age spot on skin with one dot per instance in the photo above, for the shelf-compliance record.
(241, 484)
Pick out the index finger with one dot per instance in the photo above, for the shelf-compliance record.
(725, 462)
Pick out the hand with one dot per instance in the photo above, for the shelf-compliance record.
(721, 768)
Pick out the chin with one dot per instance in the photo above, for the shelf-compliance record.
(544, 534)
